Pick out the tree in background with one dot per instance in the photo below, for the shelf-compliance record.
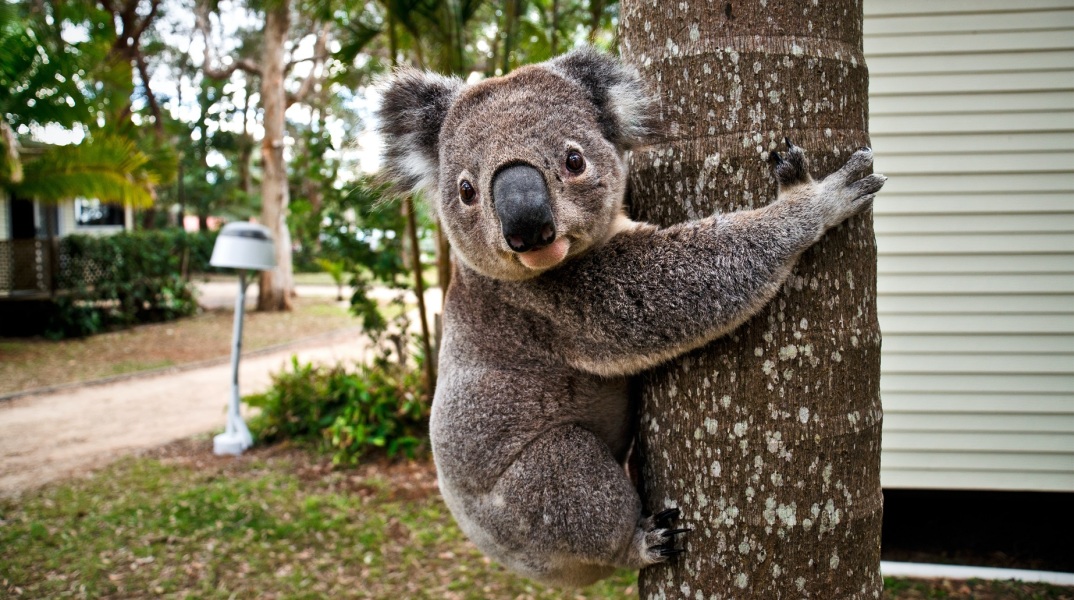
(770, 438)
(48, 80)
(272, 68)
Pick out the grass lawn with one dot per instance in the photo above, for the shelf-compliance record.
(31, 363)
(279, 522)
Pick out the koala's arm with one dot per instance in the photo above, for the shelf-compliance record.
(651, 294)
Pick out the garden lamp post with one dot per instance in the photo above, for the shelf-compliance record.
(240, 246)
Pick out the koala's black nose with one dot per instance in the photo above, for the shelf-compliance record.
(524, 208)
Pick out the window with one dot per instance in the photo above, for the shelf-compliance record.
(94, 213)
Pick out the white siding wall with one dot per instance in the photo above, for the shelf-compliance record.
(972, 117)
(66, 218)
(5, 229)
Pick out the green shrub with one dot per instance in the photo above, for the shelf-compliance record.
(345, 413)
(125, 279)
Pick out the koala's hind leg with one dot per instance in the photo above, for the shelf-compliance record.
(573, 515)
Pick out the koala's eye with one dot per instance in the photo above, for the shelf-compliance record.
(467, 193)
(575, 163)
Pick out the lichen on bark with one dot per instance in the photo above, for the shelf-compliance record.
(768, 439)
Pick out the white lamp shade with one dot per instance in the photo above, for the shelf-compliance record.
(244, 246)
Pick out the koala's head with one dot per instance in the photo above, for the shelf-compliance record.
(525, 171)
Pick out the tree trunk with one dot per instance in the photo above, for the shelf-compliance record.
(419, 291)
(769, 439)
(277, 285)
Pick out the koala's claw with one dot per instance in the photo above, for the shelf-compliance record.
(657, 538)
(792, 170)
(663, 519)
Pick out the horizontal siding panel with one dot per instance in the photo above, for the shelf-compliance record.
(979, 323)
(955, 382)
(971, 83)
(1007, 162)
(1049, 243)
(1014, 343)
(967, 43)
(966, 303)
(994, 223)
(986, 441)
(973, 22)
(975, 263)
(976, 461)
(890, 143)
(980, 423)
(895, 362)
(960, 303)
(962, 183)
(976, 480)
(929, 283)
(879, 9)
(895, 204)
(998, 102)
(1051, 60)
(997, 122)
(982, 403)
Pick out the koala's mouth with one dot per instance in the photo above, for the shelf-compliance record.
(547, 257)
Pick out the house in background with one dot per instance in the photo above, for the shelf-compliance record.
(972, 118)
(28, 234)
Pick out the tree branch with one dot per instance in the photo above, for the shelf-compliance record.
(320, 53)
(202, 23)
(154, 107)
(144, 23)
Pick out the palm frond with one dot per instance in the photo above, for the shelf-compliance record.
(105, 168)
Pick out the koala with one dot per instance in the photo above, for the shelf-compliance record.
(558, 297)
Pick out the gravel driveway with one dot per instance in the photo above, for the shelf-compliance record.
(72, 432)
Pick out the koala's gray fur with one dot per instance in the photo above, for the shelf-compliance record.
(530, 422)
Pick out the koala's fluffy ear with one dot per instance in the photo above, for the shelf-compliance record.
(628, 114)
(412, 110)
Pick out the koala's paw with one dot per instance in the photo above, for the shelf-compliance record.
(655, 537)
(849, 191)
(792, 169)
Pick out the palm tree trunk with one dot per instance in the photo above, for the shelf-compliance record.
(277, 285)
(769, 439)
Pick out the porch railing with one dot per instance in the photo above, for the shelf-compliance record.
(28, 267)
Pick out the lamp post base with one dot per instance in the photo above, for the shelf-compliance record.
(231, 444)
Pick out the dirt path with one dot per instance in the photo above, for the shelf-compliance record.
(68, 433)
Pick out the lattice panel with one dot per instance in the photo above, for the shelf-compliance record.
(30, 266)
(7, 267)
(75, 270)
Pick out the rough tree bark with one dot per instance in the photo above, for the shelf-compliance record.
(768, 440)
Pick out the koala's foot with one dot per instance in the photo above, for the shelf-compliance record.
(792, 170)
(655, 539)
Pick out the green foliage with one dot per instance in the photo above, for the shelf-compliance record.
(345, 413)
(108, 168)
(48, 79)
(356, 233)
(43, 78)
(125, 279)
